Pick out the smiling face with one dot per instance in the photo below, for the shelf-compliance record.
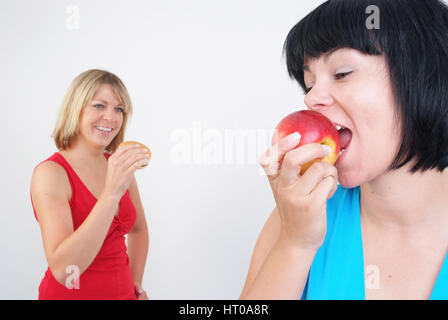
(101, 119)
(354, 90)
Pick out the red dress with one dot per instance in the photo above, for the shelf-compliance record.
(109, 275)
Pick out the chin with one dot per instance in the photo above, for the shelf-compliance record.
(350, 180)
(100, 144)
(349, 185)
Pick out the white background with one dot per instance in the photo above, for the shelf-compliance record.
(216, 63)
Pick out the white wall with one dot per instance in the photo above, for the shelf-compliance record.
(213, 64)
(217, 65)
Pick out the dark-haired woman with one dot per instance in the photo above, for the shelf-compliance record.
(382, 233)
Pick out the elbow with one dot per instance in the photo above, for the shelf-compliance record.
(58, 274)
(67, 276)
(55, 268)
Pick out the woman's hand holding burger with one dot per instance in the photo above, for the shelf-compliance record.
(122, 164)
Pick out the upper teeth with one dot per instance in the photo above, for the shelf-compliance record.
(338, 127)
(104, 129)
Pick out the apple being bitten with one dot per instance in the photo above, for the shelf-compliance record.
(313, 128)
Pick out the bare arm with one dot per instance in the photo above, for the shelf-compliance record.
(138, 238)
(296, 228)
(63, 246)
(276, 271)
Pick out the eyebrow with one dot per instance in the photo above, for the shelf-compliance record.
(326, 57)
(105, 102)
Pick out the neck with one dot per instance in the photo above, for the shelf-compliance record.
(401, 201)
(86, 153)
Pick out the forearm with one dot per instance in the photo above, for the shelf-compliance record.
(83, 245)
(283, 275)
(138, 243)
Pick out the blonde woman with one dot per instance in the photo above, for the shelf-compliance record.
(85, 197)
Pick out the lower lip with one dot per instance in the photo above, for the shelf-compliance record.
(342, 157)
(104, 133)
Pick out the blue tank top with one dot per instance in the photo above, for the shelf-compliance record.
(337, 271)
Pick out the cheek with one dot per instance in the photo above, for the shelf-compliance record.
(120, 121)
(377, 141)
(375, 149)
(89, 114)
(372, 106)
(84, 119)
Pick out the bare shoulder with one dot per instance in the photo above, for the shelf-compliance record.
(50, 179)
(50, 194)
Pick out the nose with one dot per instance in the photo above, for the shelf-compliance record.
(319, 96)
(109, 114)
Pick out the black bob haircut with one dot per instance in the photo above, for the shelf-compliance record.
(413, 37)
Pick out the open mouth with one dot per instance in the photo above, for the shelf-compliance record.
(104, 129)
(345, 137)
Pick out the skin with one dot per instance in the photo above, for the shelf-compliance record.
(106, 180)
(354, 90)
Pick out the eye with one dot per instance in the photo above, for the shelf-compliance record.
(342, 75)
(119, 109)
(98, 105)
(338, 76)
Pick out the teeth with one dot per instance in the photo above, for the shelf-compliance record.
(342, 151)
(104, 129)
(338, 127)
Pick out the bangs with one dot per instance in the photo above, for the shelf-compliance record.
(332, 25)
(122, 97)
(118, 87)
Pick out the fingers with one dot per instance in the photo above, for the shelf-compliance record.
(136, 161)
(315, 174)
(141, 294)
(295, 159)
(119, 157)
(121, 150)
(127, 155)
(323, 190)
(334, 190)
(271, 158)
(129, 152)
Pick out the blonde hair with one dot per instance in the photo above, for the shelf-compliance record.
(79, 94)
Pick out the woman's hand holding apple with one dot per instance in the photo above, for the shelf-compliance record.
(301, 199)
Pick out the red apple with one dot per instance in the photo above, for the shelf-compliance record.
(313, 128)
